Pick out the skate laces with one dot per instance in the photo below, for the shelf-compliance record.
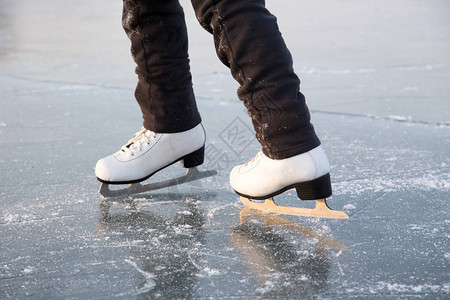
(253, 159)
(137, 141)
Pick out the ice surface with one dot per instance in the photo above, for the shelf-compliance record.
(376, 76)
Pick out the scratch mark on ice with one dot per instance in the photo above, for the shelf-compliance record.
(214, 210)
(149, 283)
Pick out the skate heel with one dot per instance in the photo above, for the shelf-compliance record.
(319, 188)
(193, 159)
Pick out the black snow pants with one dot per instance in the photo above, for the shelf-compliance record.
(247, 40)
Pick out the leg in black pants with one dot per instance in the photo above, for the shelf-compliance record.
(249, 42)
(159, 45)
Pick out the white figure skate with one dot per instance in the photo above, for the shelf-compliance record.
(262, 178)
(147, 153)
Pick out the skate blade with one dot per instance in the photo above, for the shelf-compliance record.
(320, 211)
(192, 174)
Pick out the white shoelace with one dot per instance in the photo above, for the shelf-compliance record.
(253, 159)
(138, 140)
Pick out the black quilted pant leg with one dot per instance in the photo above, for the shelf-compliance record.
(159, 45)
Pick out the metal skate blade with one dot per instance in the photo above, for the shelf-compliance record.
(320, 211)
(192, 174)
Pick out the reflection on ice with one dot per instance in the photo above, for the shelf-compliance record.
(164, 250)
(165, 240)
(279, 266)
